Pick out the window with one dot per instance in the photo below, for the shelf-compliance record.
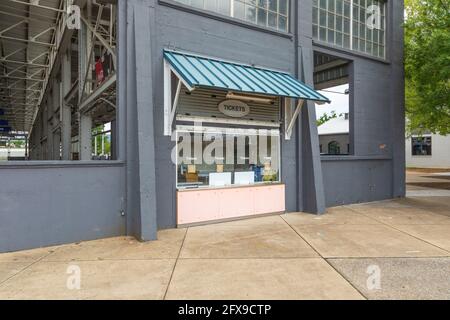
(12, 147)
(101, 142)
(351, 24)
(334, 148)
(332, 78)
(421, 146)
(65, 111)
(218, 157)
(272, 14)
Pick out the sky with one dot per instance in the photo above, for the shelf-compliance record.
(339, 101)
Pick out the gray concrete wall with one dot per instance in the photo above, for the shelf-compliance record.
(356, 179)
(342, 139)
(171, 25)
(377, 124)
(210, 35)
(47, 203)
(44, 204)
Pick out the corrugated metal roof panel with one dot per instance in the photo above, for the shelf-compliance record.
(213, 73)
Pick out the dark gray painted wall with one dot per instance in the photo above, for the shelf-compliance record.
(356, 180)
(377, 104)
(136, 105)
(178, 29)
(377, 108)
(377, 125)
(45, 204)
(49, 204)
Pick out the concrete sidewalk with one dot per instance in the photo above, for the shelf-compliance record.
(294, 256)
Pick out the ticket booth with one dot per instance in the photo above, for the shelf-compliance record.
(227, 121)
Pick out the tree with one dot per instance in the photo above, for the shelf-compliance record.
(327, 117)
(98, 136)
(17, 144)
(427, 66)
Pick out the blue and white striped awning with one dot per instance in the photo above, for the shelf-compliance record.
(212, 73)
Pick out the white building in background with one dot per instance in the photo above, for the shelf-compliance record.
(428, 151)
(16, 154)
(334, 136)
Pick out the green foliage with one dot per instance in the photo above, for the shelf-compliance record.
(97, 137)
(327, 117)
(427, 65)
(17, 144)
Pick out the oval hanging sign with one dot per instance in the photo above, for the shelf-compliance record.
(234, 108)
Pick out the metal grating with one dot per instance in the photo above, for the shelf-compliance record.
(27, 33)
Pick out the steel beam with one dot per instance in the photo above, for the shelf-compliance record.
(19, 89)
(62, 40)
(12, 26)
(86, 103)
(39, 43)
(101, 39)
(37, 5)
(66, 111)
(29, 64)
(21, 78)
(49, 122)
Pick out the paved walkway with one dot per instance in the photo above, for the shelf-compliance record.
(387, 250)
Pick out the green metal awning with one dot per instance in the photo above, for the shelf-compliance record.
(204, 72)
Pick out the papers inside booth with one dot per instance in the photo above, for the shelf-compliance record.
(225, 157)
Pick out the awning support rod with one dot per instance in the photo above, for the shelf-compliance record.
(293, 119)
(175, 104)
(169, 106)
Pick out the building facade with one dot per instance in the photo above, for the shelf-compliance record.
(428, 151)
(172, 61)
(334, 138)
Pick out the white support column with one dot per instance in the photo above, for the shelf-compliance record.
(103, 144)
(85, 121)
(85, 137)
(82, 57)
(95, 145)
(66, 111)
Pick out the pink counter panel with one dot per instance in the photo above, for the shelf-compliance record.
(197, 206)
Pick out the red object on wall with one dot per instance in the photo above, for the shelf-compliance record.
(99, 71)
